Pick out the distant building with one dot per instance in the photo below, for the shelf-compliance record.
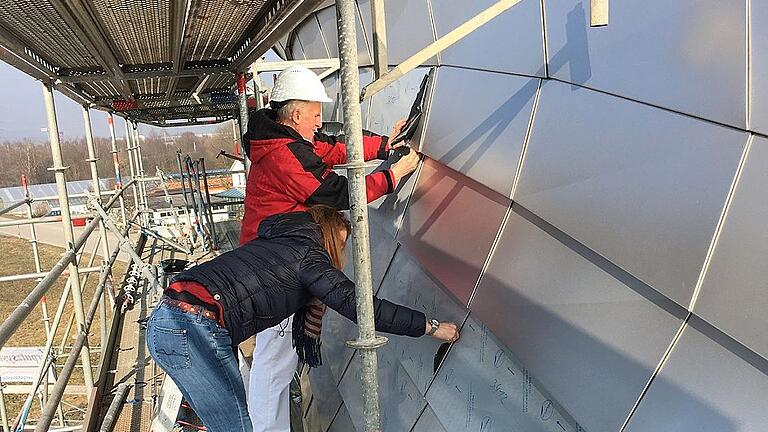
(48, 193)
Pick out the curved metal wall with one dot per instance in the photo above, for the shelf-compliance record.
(592, 210)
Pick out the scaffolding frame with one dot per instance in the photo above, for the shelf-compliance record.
(195, 105)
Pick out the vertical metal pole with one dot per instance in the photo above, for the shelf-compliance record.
(379, 23)
(129, 148)
(235, 129)
(3, 412)
(350, 93)
(214, 241)
(243, 118)
(36, 254)
(598, 13)
(66, 219)
(184, 191)
(116, 162)
(92, 159)
(140, 164)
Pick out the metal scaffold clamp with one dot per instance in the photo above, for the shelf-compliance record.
(376, 342)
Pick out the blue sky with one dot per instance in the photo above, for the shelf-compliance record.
(22, 113)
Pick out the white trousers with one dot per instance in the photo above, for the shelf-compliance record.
(274, 363)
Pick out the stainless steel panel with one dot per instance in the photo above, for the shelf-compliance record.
(342, 423)
(449, 226)
(482, 386)
(686, 55)
(332, 111)
(759, 66)
(394, 102)
(327, 18)
(399, 400)
(640, 186)
(407, 284)
(733, 296)
(409, 28)
(326, 398)
(428, 422)
(479, 124)
(385, 216)
(336, 356)
(297, 52)
(589, 340)
(312, 39)
(516, 32)
(703, 388)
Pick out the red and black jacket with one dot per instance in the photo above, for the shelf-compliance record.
(289, 173)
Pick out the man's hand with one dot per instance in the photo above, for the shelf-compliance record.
(399, 125)
(406, 165)
(446, 331)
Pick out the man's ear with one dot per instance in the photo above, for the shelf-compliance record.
(296, 115)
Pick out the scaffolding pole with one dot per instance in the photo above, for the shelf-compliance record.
(380, 66)
(66, 219)
(129, 150)
(140, 164)
(367, 341)
(92, 159)
(116, 163)
(243, 99)
(36, 253)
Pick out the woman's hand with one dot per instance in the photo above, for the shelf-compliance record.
(446, 331)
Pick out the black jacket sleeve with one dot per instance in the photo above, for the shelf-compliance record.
(333, 288)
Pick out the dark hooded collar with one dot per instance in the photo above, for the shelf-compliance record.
(295, 224)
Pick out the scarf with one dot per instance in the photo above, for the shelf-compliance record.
(307, 326)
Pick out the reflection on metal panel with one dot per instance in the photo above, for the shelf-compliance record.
(336, 331)
(394, 102)
(409, 285)
(332, 111)
(450, 225)
(312, 39)
(428, 422)
(342, 422)
(479, 124)
(481, 386)
(385, 216)
(759, 66)
(297, 52)
(590, 341)
(686, 55)
(409, 28)
(400, 400)
(326, 398)
(733, 296)
(327, 18)
(703, 388)
(642, 187)
(515, 37)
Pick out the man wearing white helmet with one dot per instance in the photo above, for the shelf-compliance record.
(291, 168)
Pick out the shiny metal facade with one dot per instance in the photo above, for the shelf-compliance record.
(624, 285)
(644, 190)
(517, 32)
(703, 387)
(687, 55)
(495, 111)
(449, 226)
(733, 296)
(591, 341)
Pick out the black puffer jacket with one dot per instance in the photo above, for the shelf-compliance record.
(266, 280)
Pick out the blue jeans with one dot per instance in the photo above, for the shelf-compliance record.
(196, 353)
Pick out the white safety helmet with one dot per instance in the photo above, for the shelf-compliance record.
(298, 82)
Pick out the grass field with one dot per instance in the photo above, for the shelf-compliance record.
(18, 259)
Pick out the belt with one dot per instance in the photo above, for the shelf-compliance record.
(190, 308)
